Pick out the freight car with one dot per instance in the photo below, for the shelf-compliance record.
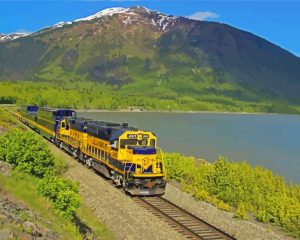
(127, 155)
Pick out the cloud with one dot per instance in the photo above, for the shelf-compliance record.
(203, 15)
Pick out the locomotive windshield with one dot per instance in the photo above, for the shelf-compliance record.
(131, 142)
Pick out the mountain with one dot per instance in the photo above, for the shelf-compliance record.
(142, 52)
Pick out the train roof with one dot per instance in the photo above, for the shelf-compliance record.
(55, 109)
(101, 129)
(28, 108)
(99, 123)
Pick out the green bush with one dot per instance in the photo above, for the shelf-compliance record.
(67, 203)
(201, 194)
(26, 152)
(63, 193)
(241, 211)
(173, 163)
(220, 204)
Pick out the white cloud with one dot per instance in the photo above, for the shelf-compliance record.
(203, 15)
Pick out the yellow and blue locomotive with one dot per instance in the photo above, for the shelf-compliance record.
(127, 155)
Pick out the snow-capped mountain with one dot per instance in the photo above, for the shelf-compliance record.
(129, 16)
(10, 37)
(119, 46)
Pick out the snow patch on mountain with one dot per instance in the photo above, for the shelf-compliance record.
(162, 21)
(107, 12)
(61, 24)
(10, 37)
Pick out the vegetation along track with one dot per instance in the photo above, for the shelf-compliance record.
(181, 220)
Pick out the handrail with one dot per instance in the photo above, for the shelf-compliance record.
(162, 159)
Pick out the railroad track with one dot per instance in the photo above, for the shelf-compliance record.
(181, 220)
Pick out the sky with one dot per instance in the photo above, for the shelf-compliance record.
(276, 21)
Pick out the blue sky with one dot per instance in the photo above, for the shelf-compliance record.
(276, 21)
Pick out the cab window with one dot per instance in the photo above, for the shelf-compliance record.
(152, 143)
(124, 142)
(143, 142)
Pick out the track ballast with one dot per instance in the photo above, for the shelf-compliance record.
(181, 220)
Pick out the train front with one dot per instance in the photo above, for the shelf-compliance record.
(143, 166)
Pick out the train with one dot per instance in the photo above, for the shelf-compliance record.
(128, 156)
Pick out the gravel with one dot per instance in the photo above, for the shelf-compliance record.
(243, 230)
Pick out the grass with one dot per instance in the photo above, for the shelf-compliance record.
(23, 188)
(87, 216)
(7, 121)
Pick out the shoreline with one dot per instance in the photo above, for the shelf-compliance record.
(176, 111)
(95, 110)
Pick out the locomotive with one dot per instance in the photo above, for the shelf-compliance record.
(127, 155)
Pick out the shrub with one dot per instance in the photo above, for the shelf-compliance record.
(241, 211)
(201, 194)
(263, 216)
(26, 152)
(63, 193)
(177, 166)
(220, 204)
(67, 203)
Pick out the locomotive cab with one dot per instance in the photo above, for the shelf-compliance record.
(142, 163)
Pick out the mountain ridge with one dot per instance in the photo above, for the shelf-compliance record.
(136, 49)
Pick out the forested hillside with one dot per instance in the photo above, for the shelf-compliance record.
(138, 57)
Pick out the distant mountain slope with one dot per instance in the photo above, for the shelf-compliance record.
(155, 55)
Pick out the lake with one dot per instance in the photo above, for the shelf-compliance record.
(271, 141)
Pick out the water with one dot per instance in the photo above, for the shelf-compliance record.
(272, 141)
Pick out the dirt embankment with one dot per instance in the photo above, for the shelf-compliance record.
(17, 221)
